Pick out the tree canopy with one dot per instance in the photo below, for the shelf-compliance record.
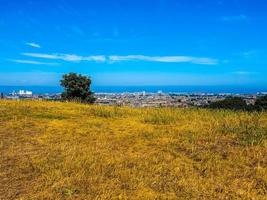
(261, 103)
(77, 87)
(234, 103)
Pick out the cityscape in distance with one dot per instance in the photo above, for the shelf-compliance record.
(138, 98)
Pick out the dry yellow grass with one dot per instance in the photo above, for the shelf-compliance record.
(53, 150)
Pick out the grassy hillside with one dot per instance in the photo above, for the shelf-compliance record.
(71, 151)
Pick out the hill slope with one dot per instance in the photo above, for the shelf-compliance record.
(71, 151)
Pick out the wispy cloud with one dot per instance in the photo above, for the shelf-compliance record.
(244, 73)
(255, 54)
(31, 62)
(166, 59)
(34, 45)
(234, 18)
(67, 57)
(118, 58)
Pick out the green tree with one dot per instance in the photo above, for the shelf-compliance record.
(77, 88)
(233, 103)
(261, 103)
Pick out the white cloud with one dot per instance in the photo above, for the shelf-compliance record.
(244, 73)
(34, 45)
(118, 58)
(234, 18)
(31, 62)
(166, 59)
(67, 57)
(95, 58)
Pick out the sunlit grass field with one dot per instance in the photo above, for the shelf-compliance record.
(53, 150)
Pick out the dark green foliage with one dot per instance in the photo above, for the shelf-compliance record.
(261, 103)
(233, 103)
(237, 103)
(77, 88)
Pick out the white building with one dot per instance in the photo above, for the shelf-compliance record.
(25, 93)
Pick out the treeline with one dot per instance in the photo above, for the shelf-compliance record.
(238, 103)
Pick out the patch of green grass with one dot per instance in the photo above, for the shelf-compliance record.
(50, 116)
(107, 112)
(251, 131)
(159, 117)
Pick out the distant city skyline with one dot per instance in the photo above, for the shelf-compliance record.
(134, 43)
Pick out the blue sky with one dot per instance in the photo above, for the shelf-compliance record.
(140, 42)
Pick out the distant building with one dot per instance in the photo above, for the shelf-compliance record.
(25, 93)
(144, 93)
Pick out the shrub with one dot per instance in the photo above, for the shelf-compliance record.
(233, 103)
(261, 103)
